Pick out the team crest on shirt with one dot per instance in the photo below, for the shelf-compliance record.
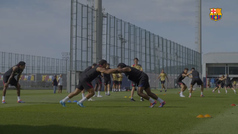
(215, 14)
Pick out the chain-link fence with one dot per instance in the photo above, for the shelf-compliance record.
(123, 41)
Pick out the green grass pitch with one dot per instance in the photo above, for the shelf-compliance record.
(42, 114)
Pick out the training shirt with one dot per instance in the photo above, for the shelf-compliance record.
(119, 78)
(9, 72)
(134, 75)
(162, 76)
(107, 77)
(180, 77)
(114, 77)
(137, 67)
(90, 75)
(228, 80)
(195, 74)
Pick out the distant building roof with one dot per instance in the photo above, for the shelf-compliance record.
(221, 57)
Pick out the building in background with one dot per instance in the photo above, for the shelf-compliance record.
(220, 63)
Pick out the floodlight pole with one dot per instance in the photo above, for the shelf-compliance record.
(200, 33)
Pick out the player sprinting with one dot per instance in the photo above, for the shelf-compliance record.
(87, 69)
(114, 82)
(138, 67)
(8, 79)
(228, 84)
(162, 77)
(107, 81)
(119, 79)
(142, 80)
(219, 82)
(85, 82)
(180, 81)
(195, 79)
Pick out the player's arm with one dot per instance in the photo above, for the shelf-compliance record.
(12, 75)
(126, 69)
(159, 76)
(166, 77)
(107, 71)
(189, 73)
(18, 77)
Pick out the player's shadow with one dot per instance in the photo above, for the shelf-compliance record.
(55, 129)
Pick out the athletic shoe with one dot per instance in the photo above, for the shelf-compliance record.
(132, 99)
(80, 104)
(62, 103)
(141, 99)
(213, 91)
(90, 99)
(99, 96)
(162, 104)
(152, 104)
(20, 101)
(182, 95)
(165, 90)
(3, 102)
(219, 92)
(95, 95)
(201, 95)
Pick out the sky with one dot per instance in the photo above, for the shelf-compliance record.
(42, 27)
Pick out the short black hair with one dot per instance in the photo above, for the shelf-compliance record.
(185, 68)
(122, 65)
(94, 64)
(108, 64)
(136, 59)
(21, 63)
(101, 62)
(193, 68)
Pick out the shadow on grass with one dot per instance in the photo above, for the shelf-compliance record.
(55, 129)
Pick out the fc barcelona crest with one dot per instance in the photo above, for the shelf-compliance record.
(215, 14)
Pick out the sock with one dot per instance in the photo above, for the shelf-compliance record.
(108, 91)
(181, 93)
(190, 94)
(3, 98)
(119, 90)
(65, 99)
(160, 100)
(82, 95)
(151, 100)
(201, 93)
(131, 97)
(98, 92)
(18, 98)
(226, 91)
(234, 91)
(82, 100)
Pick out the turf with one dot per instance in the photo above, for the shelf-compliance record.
(115, 114)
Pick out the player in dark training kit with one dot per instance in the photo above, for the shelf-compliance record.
(180, 81)
(219, 84)
(85, 82)
(228, 84)
(8, 78)
(141, 79)
(87, 69)
(107, 81)
(195, 79)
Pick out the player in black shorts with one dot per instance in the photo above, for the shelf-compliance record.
(228, 84)
(87, 69)
(107, 81)
(85, 82)
(180, 81)
(8, 78)
(195, 79)
(219, 84)
(98, 86)
(142, 80)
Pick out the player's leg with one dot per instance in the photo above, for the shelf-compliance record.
(233, 89)
(18, 87)
(152, 96)
(91, 92)
(71, 95)
(202, 88)
(183, 88)
(119, 86)
(132, 91)
(108, 88)
(162, 86)
(190, 90)
(105, 88)
(99, 89)
(95, 89)
(219, 88)
(5, 86)
(226, 89)
(83, 93)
